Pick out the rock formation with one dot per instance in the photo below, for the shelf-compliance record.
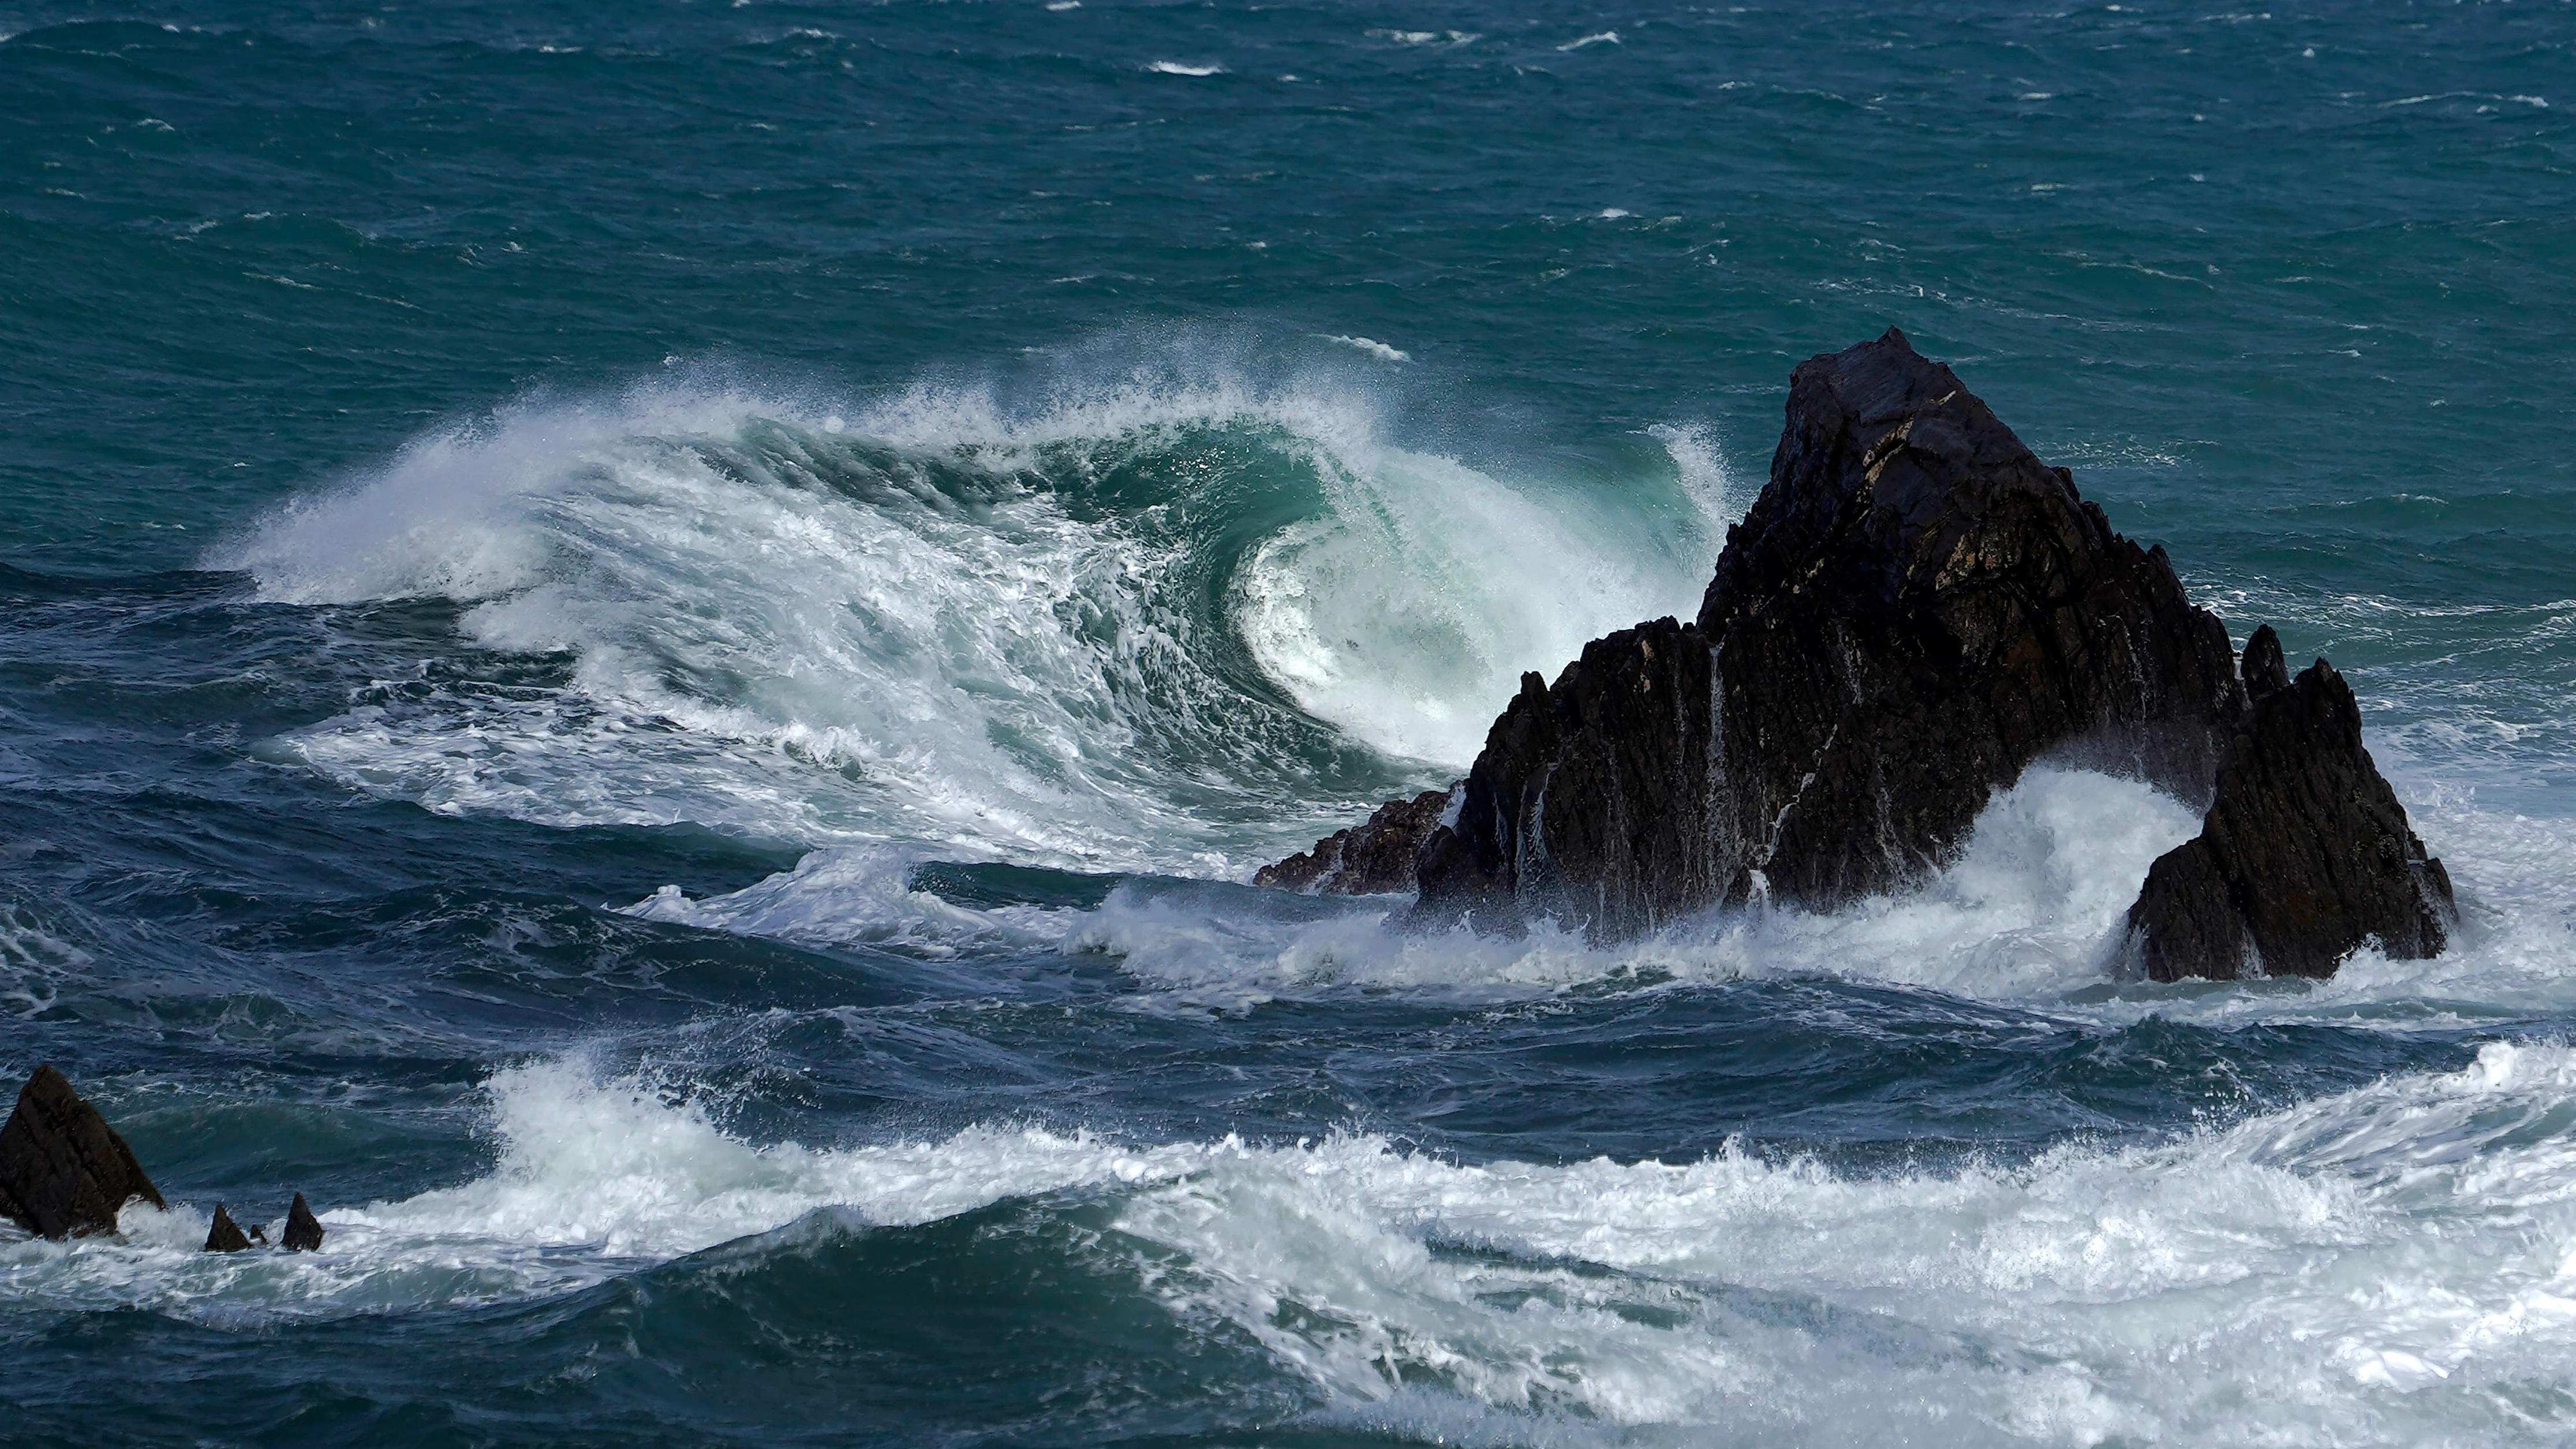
(226, 1236)
(63, 1171)
(1593, 798)
(1375, 857)
(303, 1231)
(2305, 854)
(1914, 610)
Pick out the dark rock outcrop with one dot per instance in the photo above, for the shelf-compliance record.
(1375, 857)
(63, 1171)
(226, 1236)
(2305, 854)
(1595, 799)
(1915, 609)
(2266, 671)
(303, 1231)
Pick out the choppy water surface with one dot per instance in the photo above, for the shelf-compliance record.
(644, 648)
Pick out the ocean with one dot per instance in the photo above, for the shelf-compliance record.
(647, 649)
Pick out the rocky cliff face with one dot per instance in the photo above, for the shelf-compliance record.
(2305, 854)
(1915, 609)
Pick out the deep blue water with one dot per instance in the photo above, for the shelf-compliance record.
(644, 648)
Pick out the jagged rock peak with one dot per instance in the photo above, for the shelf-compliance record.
(2305, 855)
(1374, 857)
(225, 1235)
(63, 1171)
(1914, 609)
(2265, 670)
(303, 1230)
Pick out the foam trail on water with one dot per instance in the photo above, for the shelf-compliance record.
(2032, 909)
(2390, 1264)
(1167, 618)
(858, 894)
(2033, 914)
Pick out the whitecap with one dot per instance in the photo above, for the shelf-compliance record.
(1374, 348)
(2320, 1273)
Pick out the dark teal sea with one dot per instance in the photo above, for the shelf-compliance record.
(646, 648)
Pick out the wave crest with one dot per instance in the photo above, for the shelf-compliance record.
(1165, 618)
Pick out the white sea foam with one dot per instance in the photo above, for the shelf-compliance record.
(1374, 348)
(858, 894)
(2391, 1264)
(1179, 67)
(34, 961)
(2032, 914)
(919, 627)
(2032, 911)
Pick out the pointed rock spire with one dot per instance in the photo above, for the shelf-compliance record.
(226, 1235)
(2266, 671)
(1914, 610)
(63, 1171)
(2305, 855)
(303, 1231)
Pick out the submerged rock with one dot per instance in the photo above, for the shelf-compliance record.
(1914, 610)
(63, 1171)
(1375, 857)
(226, 1236)
(2305, 854)
(303, 1231)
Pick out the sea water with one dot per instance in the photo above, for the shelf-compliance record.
(646, 648)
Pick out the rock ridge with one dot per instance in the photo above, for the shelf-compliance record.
(1374, 857)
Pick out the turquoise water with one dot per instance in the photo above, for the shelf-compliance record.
(645, 649)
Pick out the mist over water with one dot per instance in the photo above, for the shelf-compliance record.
(649, 653)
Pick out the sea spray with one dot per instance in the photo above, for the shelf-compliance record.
(2135, 1285)
(1116, 626)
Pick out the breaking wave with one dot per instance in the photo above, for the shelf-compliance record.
(1168, 617)
(2383, 1264)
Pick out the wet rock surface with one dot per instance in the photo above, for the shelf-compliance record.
(1914, 610)
(1592, 799)
(303, 1231)
(2305, 854)
(1375, 857)
(63, 1171)
(225, 1235)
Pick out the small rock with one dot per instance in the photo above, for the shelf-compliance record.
(63, 1171)
(2305, 855)
(303, 1231)
(1375, 857)
(226, 1235)
(2266, 671)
